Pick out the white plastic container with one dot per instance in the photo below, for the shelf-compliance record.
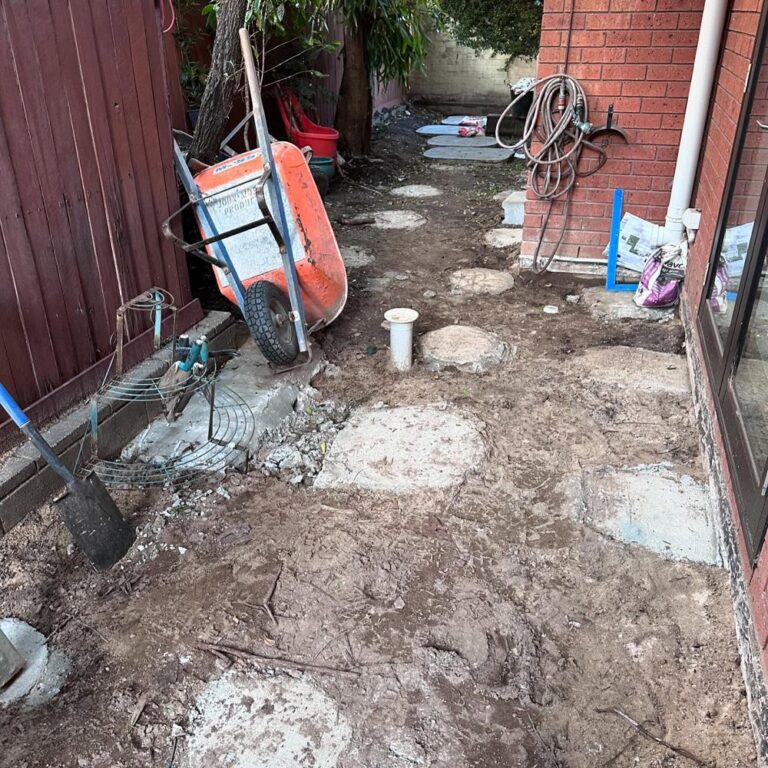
(401, 322)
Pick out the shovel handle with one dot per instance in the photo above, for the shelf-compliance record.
(11, 407)
(21, 420)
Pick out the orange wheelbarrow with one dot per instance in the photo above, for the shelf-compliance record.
(266, 232)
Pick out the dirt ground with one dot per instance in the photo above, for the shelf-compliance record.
(473, 628)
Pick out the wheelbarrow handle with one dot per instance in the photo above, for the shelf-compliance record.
(21, 420)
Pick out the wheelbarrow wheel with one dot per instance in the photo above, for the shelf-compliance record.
(267, 313)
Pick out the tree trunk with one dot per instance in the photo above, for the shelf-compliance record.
(221, 83)
(354, 112)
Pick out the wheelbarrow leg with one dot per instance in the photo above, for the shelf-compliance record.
(274, 186)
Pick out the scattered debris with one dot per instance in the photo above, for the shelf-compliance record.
(297, 449)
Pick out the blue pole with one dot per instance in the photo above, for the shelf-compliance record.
(613, 246)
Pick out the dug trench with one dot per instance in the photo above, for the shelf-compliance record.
(487, 622)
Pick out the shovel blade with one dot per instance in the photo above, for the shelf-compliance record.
(95, 522)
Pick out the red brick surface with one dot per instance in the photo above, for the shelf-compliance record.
(638, 56)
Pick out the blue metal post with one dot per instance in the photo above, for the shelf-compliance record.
(613, 246)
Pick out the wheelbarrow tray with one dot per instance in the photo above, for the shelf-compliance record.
(230, 192)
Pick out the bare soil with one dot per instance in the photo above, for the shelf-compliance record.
(486, 625)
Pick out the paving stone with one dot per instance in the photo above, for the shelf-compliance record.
(464, 348)
(403, 450)
(462, 141)
(478, 280)
(470, 154)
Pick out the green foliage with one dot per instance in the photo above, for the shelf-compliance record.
(296, 28)
(395, 33)
(507, 27)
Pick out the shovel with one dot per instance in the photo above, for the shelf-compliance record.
(88, 511)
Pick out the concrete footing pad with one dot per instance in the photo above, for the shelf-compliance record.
(416, 191)
(43, 673)
(356, 257)
(607, 305)
(481, 281)
(504, 238)
(403, 450)
(254, 721)
(397, 220)
(464, 348)
(651, 506)
(635, 369)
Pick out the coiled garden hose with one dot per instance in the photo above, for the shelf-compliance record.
(555, 135)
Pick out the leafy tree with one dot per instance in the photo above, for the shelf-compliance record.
(286, 23)
(386, 40)
(507, 27)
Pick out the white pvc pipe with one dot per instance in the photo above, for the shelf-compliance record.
(696, 110)
(401, 322)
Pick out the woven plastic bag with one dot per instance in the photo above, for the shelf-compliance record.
(661, 279)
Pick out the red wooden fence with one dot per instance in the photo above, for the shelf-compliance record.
(86, 178)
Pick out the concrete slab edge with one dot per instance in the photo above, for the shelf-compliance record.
(751, 665)
(26, 482)
(576, 267)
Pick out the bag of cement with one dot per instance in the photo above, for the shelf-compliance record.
(661, 278)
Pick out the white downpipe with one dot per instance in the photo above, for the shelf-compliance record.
(696, 110)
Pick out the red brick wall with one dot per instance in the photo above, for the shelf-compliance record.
(720, 136)
(638, 56)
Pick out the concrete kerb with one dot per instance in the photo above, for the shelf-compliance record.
(26, 482)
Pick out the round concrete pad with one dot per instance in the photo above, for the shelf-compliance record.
(251, 721)
(416, 190)
(464, 348)
(481, 281)
(355, 256)
(504, 238)
(397, 220)
(403, 450)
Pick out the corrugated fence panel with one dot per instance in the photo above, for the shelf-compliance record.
(86, 179)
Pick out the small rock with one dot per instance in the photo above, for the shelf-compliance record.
(573, 298)
(399, 604)
(429, 294)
